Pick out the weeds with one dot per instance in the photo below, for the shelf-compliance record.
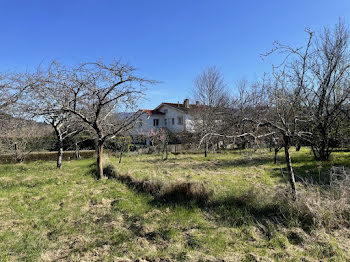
(185, 192)
(317, 207)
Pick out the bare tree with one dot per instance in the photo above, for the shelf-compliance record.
(43, 99)
(304, 98)
(160, 139)
(250, 102)
(99, 95)
(210, 92)
(276, 105)
(272, 112)
(123, 143)
(317, 79)
(329, 93)
(65, 127)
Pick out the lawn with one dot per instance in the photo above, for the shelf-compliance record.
(67, 215)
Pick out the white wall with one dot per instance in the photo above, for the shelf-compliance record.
(170, 113)
(145, 123)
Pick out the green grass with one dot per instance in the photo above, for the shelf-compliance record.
(44, 156)
(48, 214)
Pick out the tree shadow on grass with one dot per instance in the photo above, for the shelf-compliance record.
(306, 169)
(233, 210)
(242, 161)
(311, 174)
(254, 161)
(243, 209)
(92, 171)
(251, 206)
(158, 159)
(316, 172)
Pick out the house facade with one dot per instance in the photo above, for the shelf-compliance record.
(175, 117)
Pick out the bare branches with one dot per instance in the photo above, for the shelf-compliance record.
(101, 95)
(256, 137)
(210, 92)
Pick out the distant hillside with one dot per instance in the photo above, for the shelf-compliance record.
(16, 127)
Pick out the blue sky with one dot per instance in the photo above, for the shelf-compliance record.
(168, 41)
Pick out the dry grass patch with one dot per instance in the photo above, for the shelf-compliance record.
(185, 192)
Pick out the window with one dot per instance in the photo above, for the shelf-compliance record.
(165, 121)
(173, 121)
(155, 122)
(165, 111)
(180, 120)
(140, 123)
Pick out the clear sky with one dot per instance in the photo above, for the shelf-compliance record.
(168, 41)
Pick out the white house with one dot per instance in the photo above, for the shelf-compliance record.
(176, 117)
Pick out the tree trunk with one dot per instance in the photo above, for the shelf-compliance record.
(166, 151)
(77, 151)
(121, 154)
(59, 147)
(275, 157)
(313, 149)
(321, 153)
(244, 144)
(321, 147)
(60, 153)
(206, 148)
(16, 153)
(289, 166)
(100, 159)
(298, 147)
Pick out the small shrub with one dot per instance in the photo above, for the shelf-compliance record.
(296, 236)
(110, 171)
(126, 179)
(152, 187)
(248, 199)
(146, 186)
(185, 192)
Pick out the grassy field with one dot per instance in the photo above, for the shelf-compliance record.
(67, 215)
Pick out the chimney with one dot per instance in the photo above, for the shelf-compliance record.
(197, 103)
(187, 103)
